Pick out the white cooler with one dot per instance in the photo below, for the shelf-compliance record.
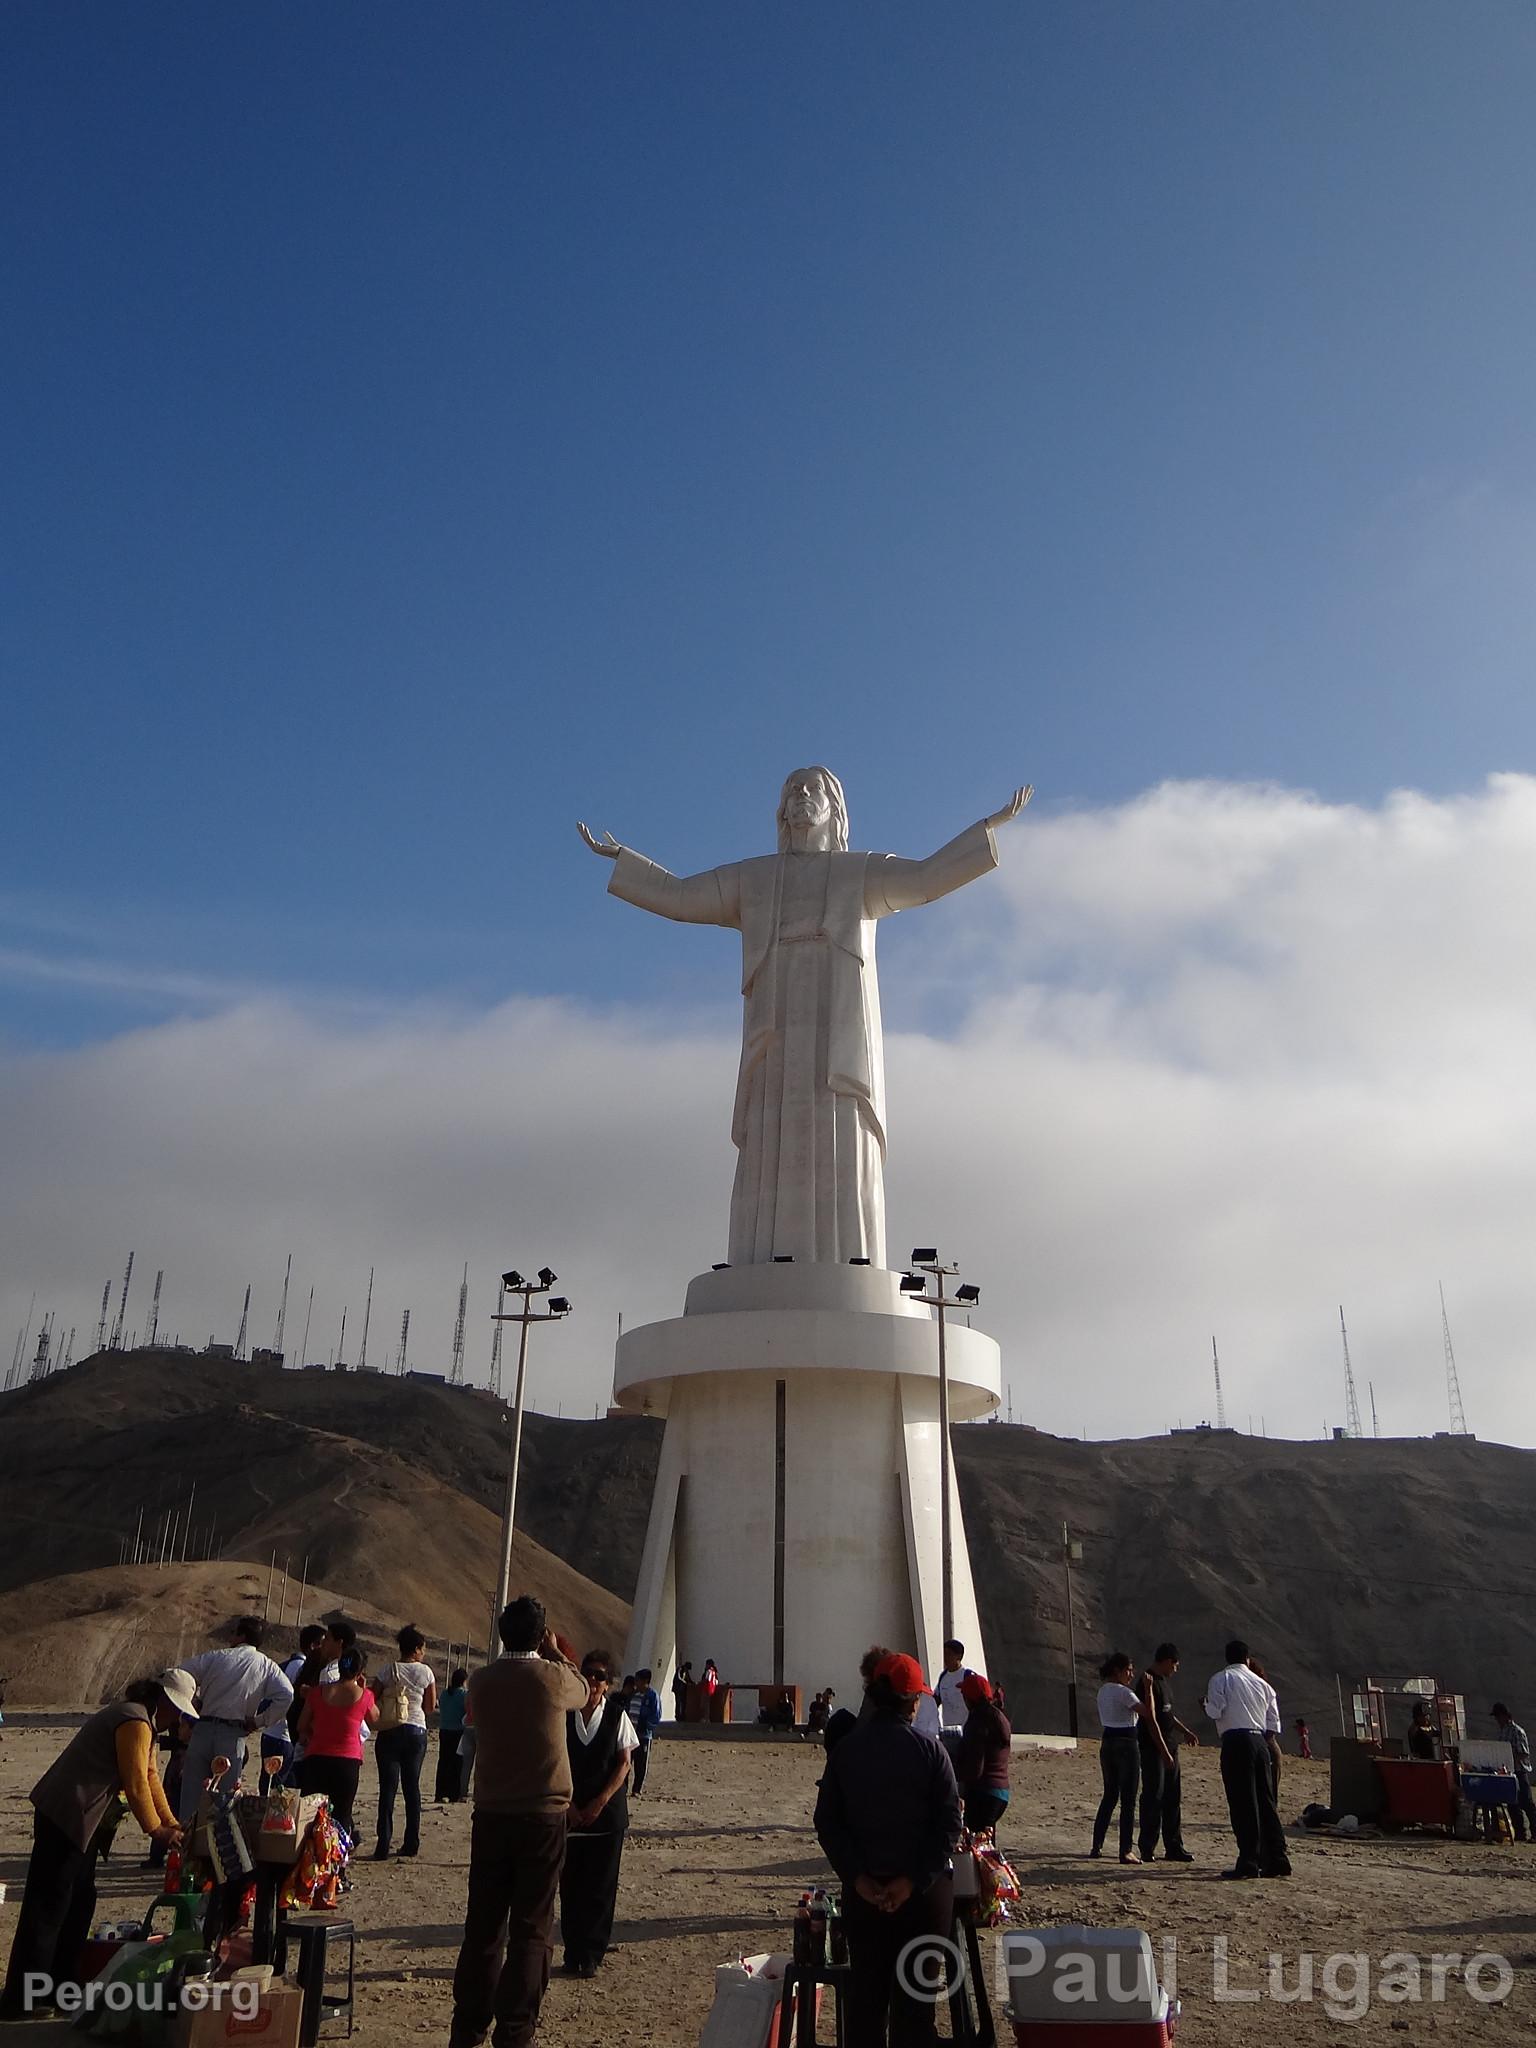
(1082, 1973)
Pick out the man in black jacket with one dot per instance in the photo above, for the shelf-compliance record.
(888, 1817)
(600, 1739)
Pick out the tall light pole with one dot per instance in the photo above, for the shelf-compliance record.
(1071, 1554)
(557, 1306)
(926, 1260)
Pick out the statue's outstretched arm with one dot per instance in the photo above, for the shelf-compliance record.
(896, 884)
(711, 898)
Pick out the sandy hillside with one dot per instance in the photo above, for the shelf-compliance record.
(721, 1848)
(79, 1638)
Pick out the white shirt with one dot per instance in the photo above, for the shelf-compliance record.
(926, 1720)
(952, 1708)
(1238, 1698)
(415, 1678)
(241, 1684)
(1118, 1706)
(587, 1725)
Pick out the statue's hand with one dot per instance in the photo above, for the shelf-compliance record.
(1011, 809)
(607, 846)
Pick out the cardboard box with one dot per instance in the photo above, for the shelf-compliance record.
(275, 2023)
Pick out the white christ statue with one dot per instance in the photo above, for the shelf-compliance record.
(809, 1121)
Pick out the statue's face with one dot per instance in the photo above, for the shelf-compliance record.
(807, 803)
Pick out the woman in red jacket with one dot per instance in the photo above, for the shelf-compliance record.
(331, 1730)
(983, 1757)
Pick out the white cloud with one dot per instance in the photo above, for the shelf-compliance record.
(1228, 1056)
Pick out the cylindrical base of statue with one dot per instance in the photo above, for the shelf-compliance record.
(796, 1518)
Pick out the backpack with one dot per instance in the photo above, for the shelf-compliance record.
(394, 1701)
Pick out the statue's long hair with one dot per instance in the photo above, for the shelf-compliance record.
(834, 790)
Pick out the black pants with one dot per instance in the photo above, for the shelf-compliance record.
(448, 1784)
(399, 1754)
(1162, 1802)
(336, 1777)
(503, 1967)
(641, 1763)
(1120, 1763)
(589, 1889)
(56, 1907)
(882, 1981)
(1248, 1775)
(983, 1810)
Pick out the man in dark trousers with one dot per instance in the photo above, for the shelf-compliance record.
(1161, 1789)
(1524, 1814)
(601, 1742)
(888, 1818)
(645, 1712)
(1245, 1709)
(517, 1838)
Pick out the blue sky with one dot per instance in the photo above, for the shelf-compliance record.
(426, 424)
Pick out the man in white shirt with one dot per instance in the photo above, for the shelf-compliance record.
(241, 1691)
(1244, 1707)
(947, 1698)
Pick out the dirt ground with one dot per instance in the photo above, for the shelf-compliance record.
(721, 1848)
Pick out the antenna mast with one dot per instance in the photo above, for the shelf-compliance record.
(362, 1356)
(282, 1310)
(456, 1371)
(501, 1302)
(1452, 1379)
(101, 1327)
(1375, 1425)
(154, 1311)
(244, 1317)
(405, 1331)
(307, 1314)
(122, 1310)
(1351, 1398)
(1221, 1406)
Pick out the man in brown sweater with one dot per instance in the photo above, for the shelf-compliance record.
(517, 1707)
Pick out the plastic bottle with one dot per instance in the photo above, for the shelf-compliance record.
(818, 1928)
(800, 1946)
(173, 1868)
(837, 1933)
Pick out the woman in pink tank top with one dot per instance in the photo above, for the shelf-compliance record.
(331, 1730)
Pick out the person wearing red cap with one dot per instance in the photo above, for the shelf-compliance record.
(983, 1756)
(888, 1818)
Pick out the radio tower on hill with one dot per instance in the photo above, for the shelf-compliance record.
(1221, 1406)
(1452, 1378)
(282, 1310)
(405, 1331)
(122, 1310)
(245, 1313)
(501, 1302)
(101, 1327)
(362, 1356)
(1351, 1398)
(154, 1311)
(456, 1371)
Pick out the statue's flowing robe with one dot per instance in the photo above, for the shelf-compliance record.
(809, 1120)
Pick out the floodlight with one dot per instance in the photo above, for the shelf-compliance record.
(913, 1283)
(783, 1258)
(558, 1305)
(925, 1255)
(858, 1262)
(514, 1280)
(546, 1278)
(968, 1293)
(724, 1266)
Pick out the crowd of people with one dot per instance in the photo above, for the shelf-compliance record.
(556, 1747)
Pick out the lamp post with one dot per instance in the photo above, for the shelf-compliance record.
(926, 1260)
(557, 1306)
(1071, 1554)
